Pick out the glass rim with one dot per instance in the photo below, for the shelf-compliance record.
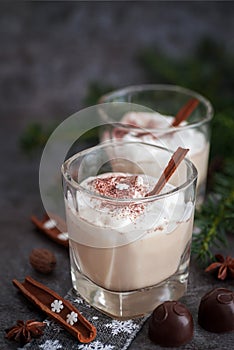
(68, 177)
(106, 98)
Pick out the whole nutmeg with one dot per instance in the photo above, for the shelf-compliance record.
(42, 260)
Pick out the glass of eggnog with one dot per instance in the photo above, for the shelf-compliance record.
(179, 116)
(129, 247)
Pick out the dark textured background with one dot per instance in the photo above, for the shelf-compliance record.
(49, 53)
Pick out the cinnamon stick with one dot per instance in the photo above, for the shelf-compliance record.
(52, 231)
(182, 115)
(172, 165)
(185, 111)
(58, 308)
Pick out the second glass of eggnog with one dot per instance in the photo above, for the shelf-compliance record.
(129, 250)
(179, 117)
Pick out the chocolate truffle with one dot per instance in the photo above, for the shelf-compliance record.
(216, 311)
(171, 324)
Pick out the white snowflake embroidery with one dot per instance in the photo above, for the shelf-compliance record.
(50, 224)
(53, 325)
(78, 301)
(51, 345)
(96, 345)
(57, 306)
(72, 318)
(121, 326)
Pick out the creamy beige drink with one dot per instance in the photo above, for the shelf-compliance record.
(129, 232)
(128, 246)
(145, 262)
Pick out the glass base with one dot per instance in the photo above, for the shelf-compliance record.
(125, 305)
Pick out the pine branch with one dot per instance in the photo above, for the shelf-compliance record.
(216, 218)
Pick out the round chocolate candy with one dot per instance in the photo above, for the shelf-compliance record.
(216, 311)
(171, 324)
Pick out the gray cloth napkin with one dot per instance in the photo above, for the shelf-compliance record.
(111, 334)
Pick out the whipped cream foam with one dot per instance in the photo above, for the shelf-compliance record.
(190, 138)
(127, 214)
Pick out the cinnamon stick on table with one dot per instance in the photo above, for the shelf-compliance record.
(173, 164)
(58, 308)
(49, 228)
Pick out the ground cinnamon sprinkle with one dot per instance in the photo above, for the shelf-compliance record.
(122, 187)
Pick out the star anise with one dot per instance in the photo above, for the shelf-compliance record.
(225, 267)
(23, 332)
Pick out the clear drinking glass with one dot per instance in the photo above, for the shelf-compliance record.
(156, 128)
(128, 254)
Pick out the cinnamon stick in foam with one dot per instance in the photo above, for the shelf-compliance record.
(172, 165)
